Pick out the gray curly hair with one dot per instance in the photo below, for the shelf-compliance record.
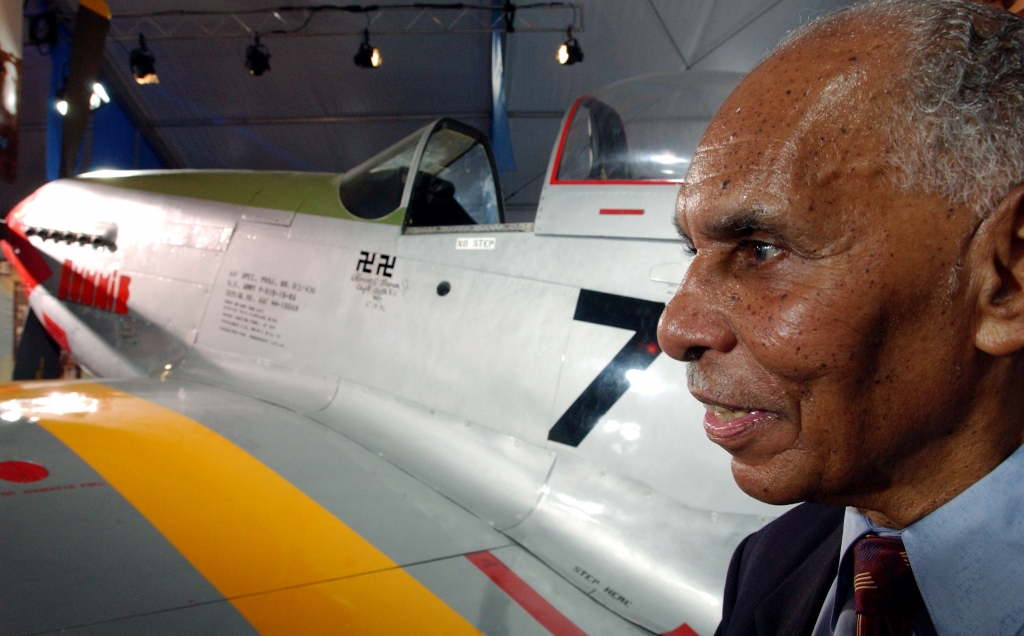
(960, 131)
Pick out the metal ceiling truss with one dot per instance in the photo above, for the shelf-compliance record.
(205, 122)
(349, 20)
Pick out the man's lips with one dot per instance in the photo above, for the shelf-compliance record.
(723, 425)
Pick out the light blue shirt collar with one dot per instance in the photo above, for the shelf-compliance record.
(967, 556)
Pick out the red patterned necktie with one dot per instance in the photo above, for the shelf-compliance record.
(884, 590)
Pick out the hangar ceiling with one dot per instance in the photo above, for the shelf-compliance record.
(315, 110)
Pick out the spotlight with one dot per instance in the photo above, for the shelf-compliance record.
(367, 56)
(257, 58)
(97, 99)
(570, 51)
(143, 64)
(61, 104)
(99, 96)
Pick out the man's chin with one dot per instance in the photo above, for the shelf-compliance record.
(771, 483)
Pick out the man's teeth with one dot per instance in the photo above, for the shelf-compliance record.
(725, 414)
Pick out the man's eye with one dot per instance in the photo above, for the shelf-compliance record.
(761, 252)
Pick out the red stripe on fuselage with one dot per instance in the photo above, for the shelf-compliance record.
(27, 260)
(76, 284)
(12, 258)
(121, 303)
(528, 598)
(64, 285)
(86, 287)
(56, 333)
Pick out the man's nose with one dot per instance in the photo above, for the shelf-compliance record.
(693, 323)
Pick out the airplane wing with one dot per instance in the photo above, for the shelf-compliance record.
(171, 507)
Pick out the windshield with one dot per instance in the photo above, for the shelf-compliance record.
(640, 130)
(454, 184)
(454, 179)
(373, 189)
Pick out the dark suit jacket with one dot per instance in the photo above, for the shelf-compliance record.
(780, 575)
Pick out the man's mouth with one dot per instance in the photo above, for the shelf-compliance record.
(724, 414)
(723, 425)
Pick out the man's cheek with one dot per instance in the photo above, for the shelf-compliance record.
(790, 337)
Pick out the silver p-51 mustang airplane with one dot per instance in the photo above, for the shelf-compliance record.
(364, 404)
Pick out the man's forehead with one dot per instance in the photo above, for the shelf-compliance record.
(809, 108)
(810, 84)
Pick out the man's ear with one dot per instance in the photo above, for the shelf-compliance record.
(999, 330)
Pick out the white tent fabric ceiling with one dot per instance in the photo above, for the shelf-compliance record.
(315, 110)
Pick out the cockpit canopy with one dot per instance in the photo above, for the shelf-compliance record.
(455, 179)
(640, 130)
(622, 152)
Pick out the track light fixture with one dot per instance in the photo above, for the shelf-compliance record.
(257, 57)
(143, 64)
(367, 56)
(99, 96)
(569, 52)
(60, 104)
(509, 14)
(97, 99)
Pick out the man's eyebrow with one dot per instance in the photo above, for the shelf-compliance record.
(742, 223)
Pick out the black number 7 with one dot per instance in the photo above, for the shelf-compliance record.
(610, 310)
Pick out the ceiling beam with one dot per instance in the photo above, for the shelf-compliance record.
(203, 122)
(347, 20)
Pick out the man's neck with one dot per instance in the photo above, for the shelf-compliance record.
(944, 478)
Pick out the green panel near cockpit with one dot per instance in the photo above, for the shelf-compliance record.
(304, 192)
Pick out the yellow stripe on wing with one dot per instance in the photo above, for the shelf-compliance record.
(243, 526)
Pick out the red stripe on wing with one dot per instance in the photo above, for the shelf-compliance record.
(528, 598)
(682, 630)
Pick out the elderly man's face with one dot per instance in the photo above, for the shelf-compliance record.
(824, 314)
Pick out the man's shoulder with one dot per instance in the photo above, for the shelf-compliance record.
(779, 575)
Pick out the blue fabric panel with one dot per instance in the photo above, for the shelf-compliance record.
(60, 55)
(501, 136)
(113, 139)
(147, 157)
(116, 144)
